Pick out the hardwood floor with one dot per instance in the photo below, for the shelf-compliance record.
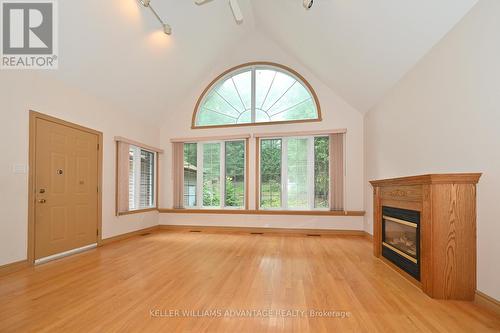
(118, 288)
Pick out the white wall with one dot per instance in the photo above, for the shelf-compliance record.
(336, 114)
(444, 116)
(21, 91)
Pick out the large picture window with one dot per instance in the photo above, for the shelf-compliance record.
(295, 173)
(257, 93)
(214, 174)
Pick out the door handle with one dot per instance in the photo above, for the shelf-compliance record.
(42, 201)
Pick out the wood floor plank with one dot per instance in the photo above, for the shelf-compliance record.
(114, 289)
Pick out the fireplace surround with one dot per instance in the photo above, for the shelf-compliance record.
(442, 262)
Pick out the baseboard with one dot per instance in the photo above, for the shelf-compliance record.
(13, 267)
(487, 302)
(369, 236)
(258, 230)
(127, 235)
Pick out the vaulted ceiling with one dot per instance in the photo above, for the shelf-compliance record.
(115, 49)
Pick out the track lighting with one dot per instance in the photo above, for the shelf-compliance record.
(167, 29)
(236, 9)
(308, 4)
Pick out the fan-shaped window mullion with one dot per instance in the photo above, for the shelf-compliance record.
(239, 95)
(286, 91)
(268, 90)
(289, 108)
(222, 114)
(256, 93)
(225, 100)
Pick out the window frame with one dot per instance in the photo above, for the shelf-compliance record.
(119, 177)
(284, 174)
(154, 182)
(222, 174)
(253, 66)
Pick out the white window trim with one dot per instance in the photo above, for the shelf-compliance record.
(284, 174)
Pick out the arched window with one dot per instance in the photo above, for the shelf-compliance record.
(254, 94)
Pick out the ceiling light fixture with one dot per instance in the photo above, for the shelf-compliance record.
(236, 9)
(167, 29)
(308, 4)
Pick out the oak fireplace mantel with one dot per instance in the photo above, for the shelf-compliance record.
(446, 207)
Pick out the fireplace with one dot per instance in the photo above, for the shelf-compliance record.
(435, 246)
(401, 239)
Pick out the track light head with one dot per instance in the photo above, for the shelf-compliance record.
(308, 4)
(145, 3)
(167, 29)
(201, 2)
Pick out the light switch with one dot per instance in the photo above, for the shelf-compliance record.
(19, 168)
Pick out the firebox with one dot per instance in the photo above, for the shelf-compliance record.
(401, 239)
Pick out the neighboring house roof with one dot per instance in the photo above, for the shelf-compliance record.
(188, 166)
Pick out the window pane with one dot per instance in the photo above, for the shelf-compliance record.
(321, 172)
(211, 175)
(301, 110)
(280, 97)
(235, 174)
(147, 179)
(264, 80)
(280, 86)
(243, 83)
(229, 102)
(296, 95)
(270, 173)
(190, 171)
(297, 167)
(210, 117)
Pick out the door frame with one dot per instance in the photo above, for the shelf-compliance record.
(33, 116)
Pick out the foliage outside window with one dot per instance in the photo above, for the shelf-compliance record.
(190, 171)
(214, 174)
(294, 173)
(257, 93)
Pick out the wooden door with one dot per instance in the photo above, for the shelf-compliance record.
(66, 185)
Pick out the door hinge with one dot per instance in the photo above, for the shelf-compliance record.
(97, 189)
(97, 146)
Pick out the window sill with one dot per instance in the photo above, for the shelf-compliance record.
(261, 212)
(138, 211)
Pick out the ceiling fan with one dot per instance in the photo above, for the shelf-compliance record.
(236, 9)
(234, 4)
